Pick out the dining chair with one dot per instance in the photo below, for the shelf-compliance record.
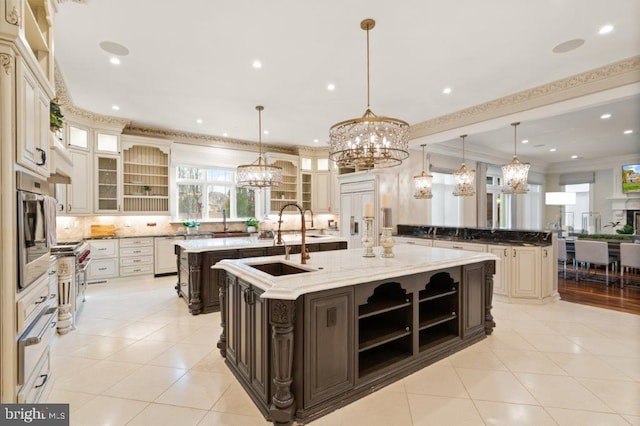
(629, 258)
(593, 252)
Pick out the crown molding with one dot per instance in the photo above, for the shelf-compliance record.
(6, 61)
(604, 78)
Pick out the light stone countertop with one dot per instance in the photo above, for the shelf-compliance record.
(342, 268)
(213, 244)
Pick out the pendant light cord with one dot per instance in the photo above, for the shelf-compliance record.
(515, 145)
(463, 157)
(368, 98)
(260, 108)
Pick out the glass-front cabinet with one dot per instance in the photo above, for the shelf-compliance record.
(107, 170)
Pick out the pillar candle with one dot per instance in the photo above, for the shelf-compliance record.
(386, 201)
(368, 210)
(386, 217)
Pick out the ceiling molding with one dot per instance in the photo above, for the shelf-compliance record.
(7, 62)
(604, 78)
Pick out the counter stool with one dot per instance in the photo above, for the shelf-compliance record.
(593, 252)
(562, 256)
(629, 258)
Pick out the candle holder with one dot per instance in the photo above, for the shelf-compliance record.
(387, 243)
(367, 239)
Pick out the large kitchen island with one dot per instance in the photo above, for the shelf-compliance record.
(304, 340)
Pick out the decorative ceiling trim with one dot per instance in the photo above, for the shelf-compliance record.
(63, 99)
(12, 16)
(604, 78)
(5, 60)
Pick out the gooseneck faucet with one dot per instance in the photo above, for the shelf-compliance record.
(304, 255)
(305, 213)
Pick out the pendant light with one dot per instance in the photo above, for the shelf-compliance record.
(424, 181)
(259, 174)
(369, 141)
(514, 174)
(464, 178)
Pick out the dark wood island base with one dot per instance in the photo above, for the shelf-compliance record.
(301, 359)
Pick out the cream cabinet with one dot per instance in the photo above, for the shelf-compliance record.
(104, 262)
(503, 266)
(458, 245)
(145, 182)
(76, 198)
(322, 192)
(107, 171)
(525, 272)
(165, 258)
(32, 104)
(288, 191)
(136, 256)
(414, 241)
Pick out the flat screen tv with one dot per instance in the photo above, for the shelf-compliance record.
(631, 178)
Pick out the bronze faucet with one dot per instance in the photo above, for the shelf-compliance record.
(304, 255)
(305, 215)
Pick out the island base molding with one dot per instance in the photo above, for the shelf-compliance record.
(301, 359)
(528, 301)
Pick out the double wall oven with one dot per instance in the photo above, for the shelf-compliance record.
(36, 297)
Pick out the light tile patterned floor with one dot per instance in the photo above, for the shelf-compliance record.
(139, 358)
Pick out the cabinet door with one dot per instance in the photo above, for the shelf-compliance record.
(212, 279)
(328, 345)
(164, 257)
(243, 343)
(322, 192)
(525, 271)
(473, 299)
(260, 338)
(503, 270)
(31, 149)
(107, 178)
(549, 277)
(79, 191)
(232, 300)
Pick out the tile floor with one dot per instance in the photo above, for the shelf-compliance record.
(139, 358)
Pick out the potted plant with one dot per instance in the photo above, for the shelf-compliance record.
(252, 223)
(191, 225)
(55, 116)
(146, 189)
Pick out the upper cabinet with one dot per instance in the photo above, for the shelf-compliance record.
(107, 178)
(287, 192)
(146, 178)
(316, 184)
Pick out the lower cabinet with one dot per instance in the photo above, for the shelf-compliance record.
(136, 256)
(104, 262)
(164, 261)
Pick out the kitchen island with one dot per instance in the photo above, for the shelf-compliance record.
(304, 340)
(198, 284)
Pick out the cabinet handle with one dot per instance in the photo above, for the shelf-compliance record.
(43, 157)
(407, 328)
(514, 252)
(457, 247)
(505, 252)
(46, 377)
(102, 269)
(69, 208)
(42, 300)
(545, 253)
(102, 248)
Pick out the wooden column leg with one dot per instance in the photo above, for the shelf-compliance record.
(222, 342)
(489, 270)
(195, 266)
(282, 317)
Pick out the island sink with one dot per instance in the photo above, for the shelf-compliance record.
(278, 268)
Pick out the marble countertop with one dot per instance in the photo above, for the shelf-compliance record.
(341, 268)
(212, 244)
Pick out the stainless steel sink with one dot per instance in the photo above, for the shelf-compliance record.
(278, 268)
(318, 236)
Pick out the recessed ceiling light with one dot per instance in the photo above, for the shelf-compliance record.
(114, 60)
(225, 134)
(446, 90)
(568, 46)
(199, 121)
(257, 64)
(605, 116)
(525, 140)
(573, 157)
(266, 132)
(331, 87)
(605, 29)
(115, 107)
(552, 150)
(628, 132)
(316, 141)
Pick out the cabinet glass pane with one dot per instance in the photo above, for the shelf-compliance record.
(107, 143)
(305, 164)
(78, 137)
(323, 164)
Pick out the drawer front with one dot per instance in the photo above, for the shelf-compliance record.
(103, 268)
(136, 251)
(139, 260)
(136, 270)
(31, 304)
(136, 242)
(103, 248)
(40, 382)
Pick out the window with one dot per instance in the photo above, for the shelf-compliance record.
(204, 193)
(573, 213)
(445, 207)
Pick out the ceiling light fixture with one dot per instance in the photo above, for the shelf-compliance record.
(514, 174)
(573, 157)
(628, 132)
(446, 90)
(257, 64)
(605, 116)
(552, 150)
(464, 178)
(331, 87)
(115, 107)
(259, 174)
(605, 29)
(199, 121)
(525, 140)
(424, 181)
(369, 141)
(225, 134)
(114, 60)
(316, 140)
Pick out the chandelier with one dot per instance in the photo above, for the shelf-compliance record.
(514, 174)
(259, 174)
(464, 178)
(424, 181)
(369, 141)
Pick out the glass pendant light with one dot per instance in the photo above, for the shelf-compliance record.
(259, 174)
(514, 174)
(464, 178)
(424, 181)
(369, 141)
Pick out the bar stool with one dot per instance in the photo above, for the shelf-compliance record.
(562, 256)
(596, 252)
(629, 257)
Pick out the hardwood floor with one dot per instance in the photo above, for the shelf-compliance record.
(596, 293)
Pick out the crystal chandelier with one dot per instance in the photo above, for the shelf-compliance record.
(424, 181)
(514, 174)
(259, 174)
(464, 178)
(369, 141)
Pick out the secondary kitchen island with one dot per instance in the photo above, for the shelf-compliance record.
(304, 340)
